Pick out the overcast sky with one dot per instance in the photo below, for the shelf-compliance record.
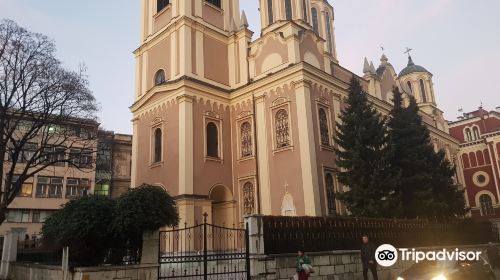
(457, 40)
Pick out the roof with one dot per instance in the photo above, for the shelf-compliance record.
(412, 68)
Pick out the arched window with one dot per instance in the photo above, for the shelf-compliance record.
(465, 159)
(288, 9)
(486, 205)
(330, 194)
(161, 4)
(304, 8)
(315, 20)
(323, 127)
(157, 145)
(329, 33)
(248, 199)
(409, 86)
(282, 129)
(216, 3)
(468, 135)
(422, 91)
(246, 140)
(270, 16)
(160, 77)
(475, 132)
(212, 140)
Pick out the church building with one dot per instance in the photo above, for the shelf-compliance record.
(232, 126)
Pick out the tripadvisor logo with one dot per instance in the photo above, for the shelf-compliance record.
(387, 255)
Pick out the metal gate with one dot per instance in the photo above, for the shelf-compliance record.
(204, 252)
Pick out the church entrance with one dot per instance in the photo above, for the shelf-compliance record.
(223, 206)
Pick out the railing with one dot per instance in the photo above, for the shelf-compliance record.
(316, 234)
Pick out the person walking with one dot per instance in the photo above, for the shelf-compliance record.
(368, 258)
(492, 255)
(303, 265)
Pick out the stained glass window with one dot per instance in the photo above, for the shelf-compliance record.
(282, 129)
(330, 193)
(212, 140)
(248, 199)
(323, 126)
(246, 139)
(486, 205)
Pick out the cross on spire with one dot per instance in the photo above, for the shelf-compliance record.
(408, 50)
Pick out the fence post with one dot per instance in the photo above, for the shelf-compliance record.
(9, 253)
(256, 234)
(205, 243)
(65, 263)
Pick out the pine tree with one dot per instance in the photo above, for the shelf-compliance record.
(426, 188)
(363, 156)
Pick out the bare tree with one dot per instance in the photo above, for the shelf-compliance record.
(47, 113)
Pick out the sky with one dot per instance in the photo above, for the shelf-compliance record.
(456, 40)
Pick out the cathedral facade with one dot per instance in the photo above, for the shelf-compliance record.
(235, 127)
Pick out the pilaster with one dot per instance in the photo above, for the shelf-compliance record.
(185, 144)
(262, 153)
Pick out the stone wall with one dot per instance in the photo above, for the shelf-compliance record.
(19, 271)
(338, 265)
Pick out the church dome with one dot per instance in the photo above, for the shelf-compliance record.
(412, 68)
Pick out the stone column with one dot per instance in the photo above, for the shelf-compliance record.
(9, 253)
(150, 247)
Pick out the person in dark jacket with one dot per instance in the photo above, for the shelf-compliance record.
(492, 255)
(368, 258)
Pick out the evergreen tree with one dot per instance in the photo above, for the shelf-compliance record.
(363, 156)
(426, 188)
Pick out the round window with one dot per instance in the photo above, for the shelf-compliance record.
(481, 179)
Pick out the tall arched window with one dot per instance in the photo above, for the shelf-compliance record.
(323, 127)
(315, 20)
(246, 140)
(216, 3)
(330, 193)
(270, 16)
(161, 4)
(282, 129)
(422, 91)
(212, 140)
(486, 205)
(248, 199)
(475, 132)
(409, 86)
(468, 134)
(157, 145)
(329, 33)
(304, 8)
(288, 9)
(160, 77)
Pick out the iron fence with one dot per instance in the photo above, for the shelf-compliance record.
(317, 234)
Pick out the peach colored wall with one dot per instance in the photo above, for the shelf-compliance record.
(158, 58)
(213, 15)
(325, 157)
(309, 45)
(210, 173)
(216, 60)
(270, 46)
(285, 166)
(162, 19)
(166, 174)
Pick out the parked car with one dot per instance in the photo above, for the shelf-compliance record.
(449, 270)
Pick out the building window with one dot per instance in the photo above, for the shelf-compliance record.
(216, 3)
(486, 205)
(315, 20)
(422, 91)
(288, 9)
(161, 4)
(102, 189)
(27, 153)
(304, 8)
(329, 33)
(282, 129)
(468, 135)
(54, 155)
(81, 158)
(270, 16)
(49, 187)
(160, 78)
(409, 86)
(212, 140)
(330, 194)
(77, 187)
(246, 140)
(157, 151)
(26, 189)
(18, 216)
(475, 131)
(39, 216)
(248, 199)
(323, 127)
